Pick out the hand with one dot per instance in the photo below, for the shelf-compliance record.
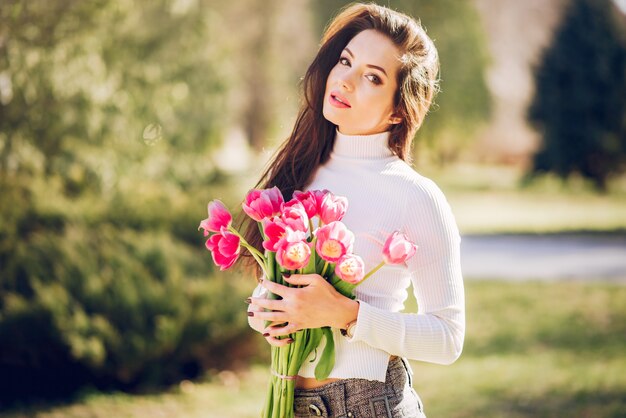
(315, 305)
(258, 324)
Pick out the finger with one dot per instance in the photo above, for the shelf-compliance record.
(302, 279)
(279, 342)
(272, 304)
(280, 331)
(274, 316)
(277, 289)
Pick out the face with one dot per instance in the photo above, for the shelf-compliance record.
(361, 86)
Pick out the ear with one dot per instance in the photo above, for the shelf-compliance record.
(394, 120)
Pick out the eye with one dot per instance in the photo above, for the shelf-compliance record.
(344, 61)
(374, 79)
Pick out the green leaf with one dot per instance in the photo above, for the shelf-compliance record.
(319, 264)
(315, 337)
(327, 360)
(343, 287)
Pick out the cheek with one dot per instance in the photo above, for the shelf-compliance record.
(331, 77)
(377, 102)
(329, 80)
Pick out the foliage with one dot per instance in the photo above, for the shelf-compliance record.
(580, 101)
(111, 291)
(107, 112)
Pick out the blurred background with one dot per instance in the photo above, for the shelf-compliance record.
(121, 119)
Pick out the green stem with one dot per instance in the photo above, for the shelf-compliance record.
(293, 359)
(244, 242)
(285, 351)
(324, 269)
(267, 409)
(372, 271)
(257, 257)
(276, 407)
(252, 249)
(255, 253)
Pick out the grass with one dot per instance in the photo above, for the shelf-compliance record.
(535, 350)
(532, 350)
(491, 199)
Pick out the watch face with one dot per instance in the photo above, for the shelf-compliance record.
(349, 330)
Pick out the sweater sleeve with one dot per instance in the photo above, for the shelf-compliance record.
(436, 332)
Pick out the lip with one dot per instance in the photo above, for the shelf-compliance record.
(344, 103)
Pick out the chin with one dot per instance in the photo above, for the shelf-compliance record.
(330, 117)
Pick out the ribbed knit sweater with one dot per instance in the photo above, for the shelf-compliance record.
(385, 194)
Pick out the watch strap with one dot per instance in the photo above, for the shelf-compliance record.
(347, 331)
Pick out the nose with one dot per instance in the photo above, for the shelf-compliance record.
(345, 81)
(345, 84)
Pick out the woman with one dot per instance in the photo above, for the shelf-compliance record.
(367, 93)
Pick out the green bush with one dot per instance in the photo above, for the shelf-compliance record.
(103, 275)
(115, 305)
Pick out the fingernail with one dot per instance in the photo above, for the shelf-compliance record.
(267, 334)
(287, 275)
(250, 313)
(248, 300)
(289, 340)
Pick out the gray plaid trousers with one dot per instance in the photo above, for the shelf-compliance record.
(361, 398)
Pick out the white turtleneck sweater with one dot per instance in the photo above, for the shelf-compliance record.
(385, 194)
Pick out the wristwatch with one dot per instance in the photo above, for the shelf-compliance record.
(348, 331)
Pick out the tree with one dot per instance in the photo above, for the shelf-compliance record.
(580, 101)
(103, 276)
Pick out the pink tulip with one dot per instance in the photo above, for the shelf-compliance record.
(308, 201)
(334, 241)
(350, 268)
(224, 248)
(292, 251)
(333, 208)
(398, 248)
(218, 217)
(311, 200)
(262, 204)
(295, 216)
(319, 198)
(274, 230)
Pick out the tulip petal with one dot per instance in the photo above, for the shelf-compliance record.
(398, 248)
(219, 216)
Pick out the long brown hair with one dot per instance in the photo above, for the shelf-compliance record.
(312, 138)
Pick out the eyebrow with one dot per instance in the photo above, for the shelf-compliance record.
(368, 65)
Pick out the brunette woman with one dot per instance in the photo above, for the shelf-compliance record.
(366, 94)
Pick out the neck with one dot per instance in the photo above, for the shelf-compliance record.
(370, 146)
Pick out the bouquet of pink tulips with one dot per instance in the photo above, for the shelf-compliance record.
(293, 244)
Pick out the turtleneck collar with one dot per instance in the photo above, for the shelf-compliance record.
(370, 147)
